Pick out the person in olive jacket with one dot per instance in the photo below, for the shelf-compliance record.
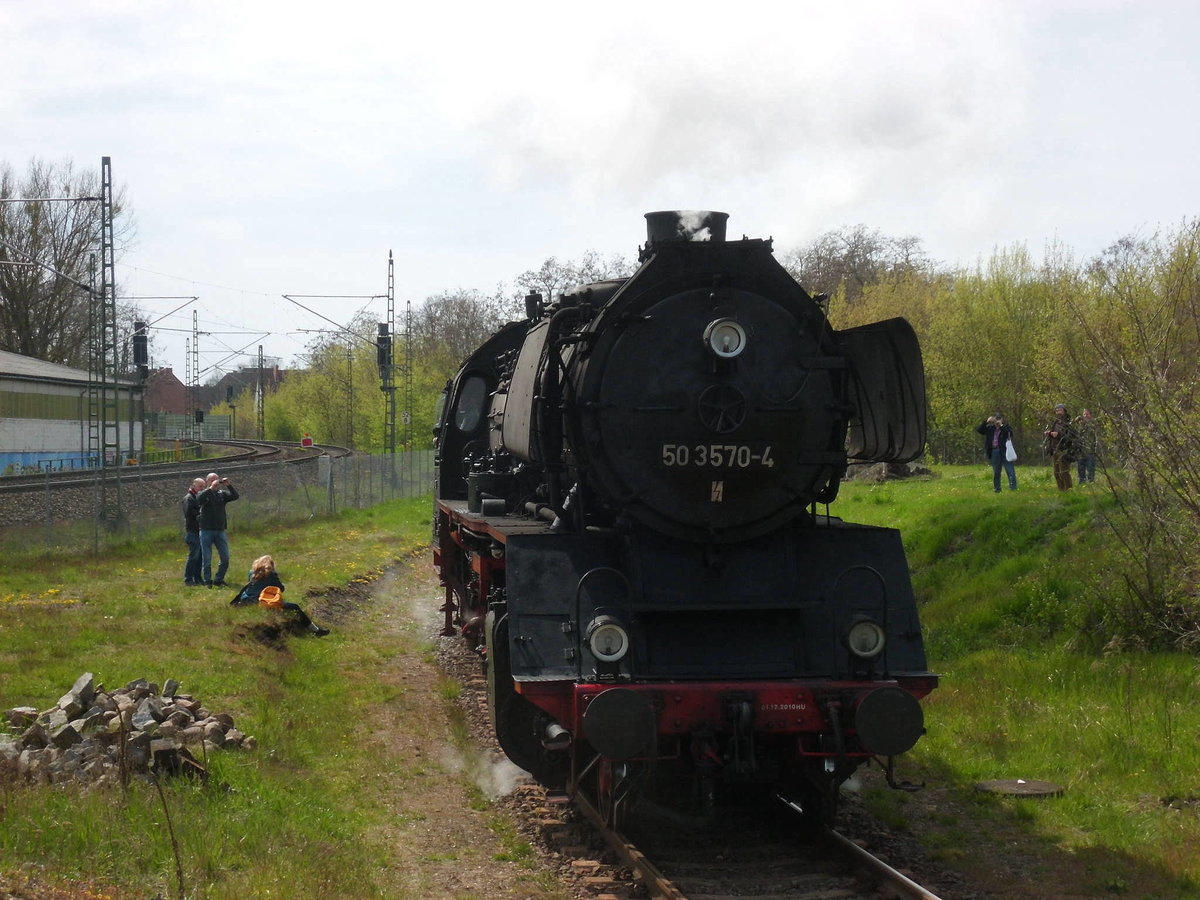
(1061, 444)
(996, 435)
(212, 520)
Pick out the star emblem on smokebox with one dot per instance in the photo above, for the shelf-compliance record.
(722, 408)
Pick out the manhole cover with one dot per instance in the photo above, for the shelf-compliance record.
(1020, 787)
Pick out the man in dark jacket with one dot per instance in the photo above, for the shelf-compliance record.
(996, 435)
(191, 533)
(212, 520)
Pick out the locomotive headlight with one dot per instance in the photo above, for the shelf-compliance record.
(725, 338)
(865, 638)
(607, 639)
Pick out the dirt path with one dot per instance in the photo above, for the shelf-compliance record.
(446, 843)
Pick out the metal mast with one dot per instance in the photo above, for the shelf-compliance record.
(194, 378)
(95, 367)
(387, 369)
(189, 401)
(350, 394)
(259, 405)
(103, 427)
(408, 377)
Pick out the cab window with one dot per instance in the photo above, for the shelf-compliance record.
(472, 400)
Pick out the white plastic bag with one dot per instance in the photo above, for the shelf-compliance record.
(1010, 452)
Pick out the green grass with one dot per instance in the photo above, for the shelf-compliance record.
(1007, 585)
(288, 820)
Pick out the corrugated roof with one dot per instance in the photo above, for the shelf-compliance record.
(28, 367)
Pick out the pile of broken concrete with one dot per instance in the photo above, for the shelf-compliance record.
(94, 736)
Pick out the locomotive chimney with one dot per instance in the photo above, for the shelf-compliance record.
(686, 225)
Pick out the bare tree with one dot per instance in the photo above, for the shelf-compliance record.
(849, 259)
(553, 278)
(449, 326)
(46, 253)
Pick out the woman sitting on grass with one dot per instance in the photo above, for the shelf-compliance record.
(266, 589)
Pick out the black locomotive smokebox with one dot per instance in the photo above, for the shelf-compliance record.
(619, 723)
(889, 720)
(686, 225)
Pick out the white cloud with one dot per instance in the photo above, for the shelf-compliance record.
(274, 147)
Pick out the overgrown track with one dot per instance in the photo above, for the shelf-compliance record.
(243, 456)
(759, 848)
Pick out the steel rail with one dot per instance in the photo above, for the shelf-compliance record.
(878, 867)
(657, 884)
(257, 455)
(865, 859)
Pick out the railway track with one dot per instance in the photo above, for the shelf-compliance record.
(244, 455)
(760, 849)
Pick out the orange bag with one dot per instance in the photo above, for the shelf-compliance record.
(271, 597)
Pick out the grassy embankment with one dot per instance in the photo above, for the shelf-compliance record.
(305, 815)
(1007, 583)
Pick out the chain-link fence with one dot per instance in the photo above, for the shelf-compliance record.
(102, 507)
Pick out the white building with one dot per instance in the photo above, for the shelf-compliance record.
(47, 422)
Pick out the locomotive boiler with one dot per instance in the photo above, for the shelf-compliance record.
(632, 529)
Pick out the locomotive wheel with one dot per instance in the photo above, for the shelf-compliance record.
(817, 796)
(819, 808)
(816, 792)
(612, 791)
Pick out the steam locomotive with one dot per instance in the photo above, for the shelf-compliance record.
(629, 533)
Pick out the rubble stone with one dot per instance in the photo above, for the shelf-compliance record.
(64, 736)
(91, 734)
(22, 716)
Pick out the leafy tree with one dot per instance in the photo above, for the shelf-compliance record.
(929, 304)
(336, 398)
(1136, 340)
(997, 341)
(46, 253)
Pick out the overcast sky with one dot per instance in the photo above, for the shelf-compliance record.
(269, 148)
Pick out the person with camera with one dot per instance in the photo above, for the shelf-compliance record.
(213, 523)
(996, 437)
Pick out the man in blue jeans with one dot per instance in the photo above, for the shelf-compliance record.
(1085, 430)
(212, 502)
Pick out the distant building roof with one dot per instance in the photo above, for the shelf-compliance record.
(14, 364)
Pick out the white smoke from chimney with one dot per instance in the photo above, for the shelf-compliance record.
(693, 225)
